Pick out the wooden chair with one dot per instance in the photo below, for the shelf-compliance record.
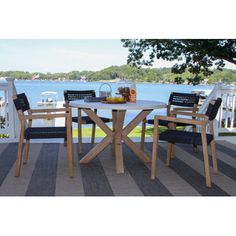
(175, 136)
(180, 101)
(71, 95)
(28, 132)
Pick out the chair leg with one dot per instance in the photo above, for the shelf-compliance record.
(213, 153)
(194, 146)
(170, 147)
(169, 153)
(26, 151)
(72, 148)
(65, 142)
(172, 151)
(80, 145)
(143, 134)
(19, 154)
(70, 155)
(154, 151)
(71, 161)
(206, 159)
(93, 133)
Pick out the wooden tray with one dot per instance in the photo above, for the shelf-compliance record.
(110, 102)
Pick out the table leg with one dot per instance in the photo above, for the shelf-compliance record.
(114, 116)
(116, 136)
(96, 150)
(105, 142)
(139, 152)
(118, 141)
(143, 133)
(98, 121)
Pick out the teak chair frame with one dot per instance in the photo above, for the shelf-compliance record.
(79, 114)
(202, 122)
(26, 122)
(169, 109)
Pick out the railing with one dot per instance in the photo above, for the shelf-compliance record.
(9, 126)
(225, 121)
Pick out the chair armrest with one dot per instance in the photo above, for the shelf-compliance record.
(49, 110)
(181, 120)
(183, 109)
(45, 116)
(189, 114)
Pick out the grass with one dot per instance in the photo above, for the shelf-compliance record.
(86, 132)
(135, 133)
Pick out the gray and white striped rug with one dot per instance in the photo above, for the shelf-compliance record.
(46, 173)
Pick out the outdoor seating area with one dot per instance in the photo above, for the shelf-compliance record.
(117, 118)
(117, 165)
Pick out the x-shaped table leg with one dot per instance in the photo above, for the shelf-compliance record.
(136, 149)
(116, 136)
(104, 143)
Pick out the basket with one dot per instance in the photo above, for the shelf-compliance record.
(105, 92)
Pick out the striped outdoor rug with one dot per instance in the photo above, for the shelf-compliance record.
(46, 173)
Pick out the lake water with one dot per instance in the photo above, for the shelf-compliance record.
(145, 91)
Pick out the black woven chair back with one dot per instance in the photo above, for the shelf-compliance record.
(21, 102)
(212, 109)
(71, 95)
(183, 99)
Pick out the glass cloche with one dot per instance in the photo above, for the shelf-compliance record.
(123, 88)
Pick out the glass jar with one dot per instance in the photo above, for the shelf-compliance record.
(123, 89)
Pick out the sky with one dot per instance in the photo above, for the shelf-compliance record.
(65, 55)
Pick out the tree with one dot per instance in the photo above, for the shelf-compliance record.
(179, 80)
(197, 56)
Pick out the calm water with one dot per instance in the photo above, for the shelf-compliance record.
(159, 92)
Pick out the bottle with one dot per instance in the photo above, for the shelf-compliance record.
(133, 93)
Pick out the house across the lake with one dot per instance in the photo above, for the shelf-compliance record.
(34, 77)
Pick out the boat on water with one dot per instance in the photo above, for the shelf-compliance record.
(48, 98)
(203, 93)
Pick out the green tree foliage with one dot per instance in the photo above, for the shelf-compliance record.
(163, 75)
(225, 76)
(179, 80)
(127, 72)
(16, 74)
(196, 56)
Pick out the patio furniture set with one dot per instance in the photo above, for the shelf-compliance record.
(181, 111)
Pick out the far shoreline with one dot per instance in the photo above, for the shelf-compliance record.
(114, 82)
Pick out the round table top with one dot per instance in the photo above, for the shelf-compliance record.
(139, 105)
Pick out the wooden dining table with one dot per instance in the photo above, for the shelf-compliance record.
(118, 134)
